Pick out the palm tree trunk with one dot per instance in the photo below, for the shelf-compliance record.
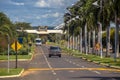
(108, 42)
(116, 38)
(86, 46)
(81, 40)
(93, 42)
(89, 42)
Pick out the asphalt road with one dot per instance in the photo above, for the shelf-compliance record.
(41, 67)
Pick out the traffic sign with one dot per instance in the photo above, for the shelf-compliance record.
(20, 40)
(16, 46)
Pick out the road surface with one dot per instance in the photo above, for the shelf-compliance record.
(41, 67)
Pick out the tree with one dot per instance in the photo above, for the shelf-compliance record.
(7, 29)
(23, 25)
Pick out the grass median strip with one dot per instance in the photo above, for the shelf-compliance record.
(4, 71)
(13, 57)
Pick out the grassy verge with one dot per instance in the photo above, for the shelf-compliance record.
(4, 71)
(13, 57)
(109, 61)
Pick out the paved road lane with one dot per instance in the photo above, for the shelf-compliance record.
(73, 63)
(65, 68)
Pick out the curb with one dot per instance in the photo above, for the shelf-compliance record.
(116, 67)
(10, 76)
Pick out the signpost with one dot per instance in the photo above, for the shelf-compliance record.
(16, 46)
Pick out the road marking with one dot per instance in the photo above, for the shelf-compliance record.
(46, 60)
(83, 66)
(50, 67)
(71, 71)
(97, 72)
(92, 69)
(77, 65)
(74, 63)
(70, 61)
(54, 73)
(57, 79)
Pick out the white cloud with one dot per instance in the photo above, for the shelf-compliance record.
(56, 14)
(52, 15)
(19, 4)
(57, 3)
(49, 3)
(41, 3)
(16, 3)
(38, 17)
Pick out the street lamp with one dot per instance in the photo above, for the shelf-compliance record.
(100, 27)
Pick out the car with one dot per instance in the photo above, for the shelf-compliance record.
(54, 51)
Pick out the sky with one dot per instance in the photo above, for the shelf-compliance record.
(36, 12)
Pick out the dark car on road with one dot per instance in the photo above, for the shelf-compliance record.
(54, 51)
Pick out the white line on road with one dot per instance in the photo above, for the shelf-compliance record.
(74, 63)
(57, 79)
(54, 73)
(46, 60)
(97, 72)
(70, 61)
(77, 65)
(48, 63)
(83, 66)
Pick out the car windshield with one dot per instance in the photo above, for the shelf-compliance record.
(38, 41)
(54, 48)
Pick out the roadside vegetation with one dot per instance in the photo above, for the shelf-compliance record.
(23, 54)
(4, 71)
(93, 58)
(91, 22)
(9, 34)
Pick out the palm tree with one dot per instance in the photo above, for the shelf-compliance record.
(6, 28)
(116, 4)
(112, 7)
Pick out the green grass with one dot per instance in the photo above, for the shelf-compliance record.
(13, 57)
(4, 72)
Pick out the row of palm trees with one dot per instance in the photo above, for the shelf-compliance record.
(84, 18)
